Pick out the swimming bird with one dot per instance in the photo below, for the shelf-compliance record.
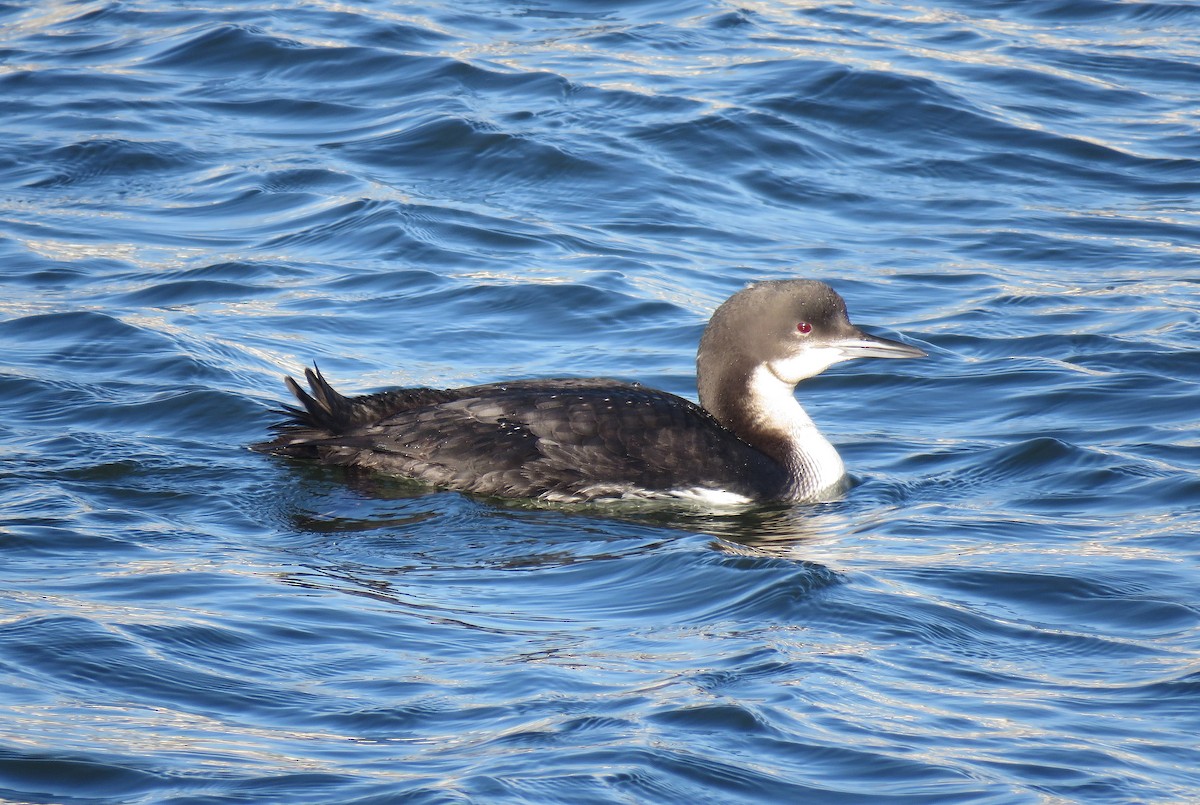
(572, 440)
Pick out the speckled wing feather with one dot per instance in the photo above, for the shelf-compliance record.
(555, 439)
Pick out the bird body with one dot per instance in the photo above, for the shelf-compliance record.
(586, 439)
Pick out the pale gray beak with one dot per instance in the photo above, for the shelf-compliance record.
(862, 345)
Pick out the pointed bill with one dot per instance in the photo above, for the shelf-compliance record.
(862, 345)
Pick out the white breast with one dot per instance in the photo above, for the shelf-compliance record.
(811, 456)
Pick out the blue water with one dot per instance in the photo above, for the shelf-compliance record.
(197, 198)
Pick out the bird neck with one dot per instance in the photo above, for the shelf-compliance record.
(762, 410)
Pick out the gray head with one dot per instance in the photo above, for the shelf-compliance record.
(793, 329)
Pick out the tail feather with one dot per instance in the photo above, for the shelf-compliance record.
(324, 415)
(325, 409)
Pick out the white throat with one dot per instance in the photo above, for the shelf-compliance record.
(811, 459)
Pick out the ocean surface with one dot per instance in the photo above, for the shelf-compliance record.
(198, 198)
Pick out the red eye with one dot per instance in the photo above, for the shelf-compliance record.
(804, 327)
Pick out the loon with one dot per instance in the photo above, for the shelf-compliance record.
(580, 440)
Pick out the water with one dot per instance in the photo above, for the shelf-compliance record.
(198, 198)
